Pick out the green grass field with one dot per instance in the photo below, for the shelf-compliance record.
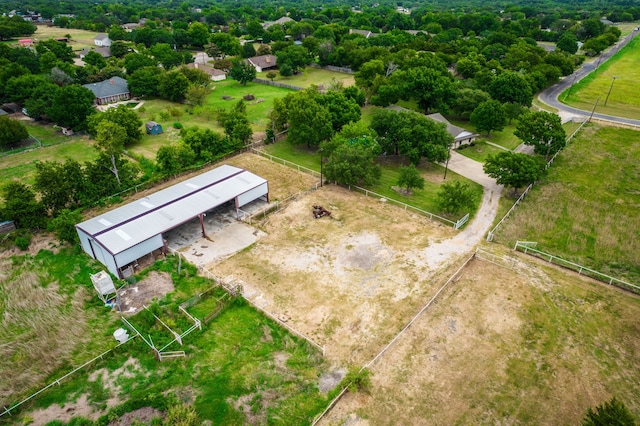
(624, 99)
(22, 166)
(586, 209)
(241, 366)
(167, 113)
(309, 76)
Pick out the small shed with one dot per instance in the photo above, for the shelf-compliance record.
(153, 128)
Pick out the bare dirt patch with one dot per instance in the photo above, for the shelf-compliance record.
(79, 408)
(348, 281)
(476, 358)
(142, 415)
(134, 296)
(283, 181)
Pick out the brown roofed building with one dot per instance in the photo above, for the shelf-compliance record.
(263, 62)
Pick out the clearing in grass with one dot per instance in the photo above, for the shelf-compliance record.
(586, 209)
(532, 345)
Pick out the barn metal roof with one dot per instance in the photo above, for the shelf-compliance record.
(128, 225)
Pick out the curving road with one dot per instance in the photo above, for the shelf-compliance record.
(550, 95)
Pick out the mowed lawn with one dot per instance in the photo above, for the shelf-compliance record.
(621, 71)
(79, 38)
(586, 209)
(22, 166)
(167, 113)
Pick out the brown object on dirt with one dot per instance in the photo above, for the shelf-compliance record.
(248, 97)
(319, 211)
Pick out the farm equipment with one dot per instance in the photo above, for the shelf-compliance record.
(319, 211)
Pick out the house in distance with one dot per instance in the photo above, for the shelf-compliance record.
(112, 90)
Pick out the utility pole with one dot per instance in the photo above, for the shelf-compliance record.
(610, 88)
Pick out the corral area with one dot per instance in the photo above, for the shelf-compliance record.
(528, 345)
(348, 281)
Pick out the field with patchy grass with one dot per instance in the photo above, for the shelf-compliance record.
(586, 209)
(532, 345)
(79, 38)
(348, 281)
(242, 368)
(311, 75)
(619, 76)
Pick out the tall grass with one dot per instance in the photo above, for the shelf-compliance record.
(586, 209)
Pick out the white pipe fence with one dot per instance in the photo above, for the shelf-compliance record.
(526, 248)
(491, 233)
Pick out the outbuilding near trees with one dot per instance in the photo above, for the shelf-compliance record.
(120, 237)
(153, 128)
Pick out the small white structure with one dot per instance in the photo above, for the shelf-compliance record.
(121, 335)
(121, 236)
(104, 286)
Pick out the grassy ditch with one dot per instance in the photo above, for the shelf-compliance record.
(241, 368)
(619, 77)
(586, 209)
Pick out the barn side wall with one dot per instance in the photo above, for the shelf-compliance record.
(253, 194)
(139, 250)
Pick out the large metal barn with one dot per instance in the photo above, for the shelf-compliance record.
(121, 236)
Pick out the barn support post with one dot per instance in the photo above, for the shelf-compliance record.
(201, 216)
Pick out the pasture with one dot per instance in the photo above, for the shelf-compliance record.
(167, 113)
(311, 75)
(269, 375)
(527, 345)
(79, 40)
(615, 79)
(586, 209)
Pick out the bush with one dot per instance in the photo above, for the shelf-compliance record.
(358, 380)
(177, 125)
(23, 242)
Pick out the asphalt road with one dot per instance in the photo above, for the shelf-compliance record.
(550, 95)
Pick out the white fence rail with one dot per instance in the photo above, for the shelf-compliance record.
(57, 381)
(527, 248)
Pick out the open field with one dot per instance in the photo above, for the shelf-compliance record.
(621, 72)
(532, 345)
(22, 166)
(347, 281)
(167, 113)
(269, 375)
(310, 75)
(79, 38)
(586, 209)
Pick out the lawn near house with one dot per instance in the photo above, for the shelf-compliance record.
(167, 113)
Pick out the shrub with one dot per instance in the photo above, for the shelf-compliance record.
(177, 125)
(23, 242)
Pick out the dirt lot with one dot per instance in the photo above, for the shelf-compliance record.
(348, 281)
(475, 358)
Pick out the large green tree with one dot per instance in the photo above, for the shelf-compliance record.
(353, 164)
(21, 206)
(172, 159)
(11, 132)
(60, 185)
(454, 196)
(543, 130)
(489, 115)
(173, 86)
(410, 178)
(612, 412)
(127, 118)
(243, 72)
(145, 81)
(110, 141)
(71, 105)
(511, 87)
(309, 121)
(514, 169)
(411, 134)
